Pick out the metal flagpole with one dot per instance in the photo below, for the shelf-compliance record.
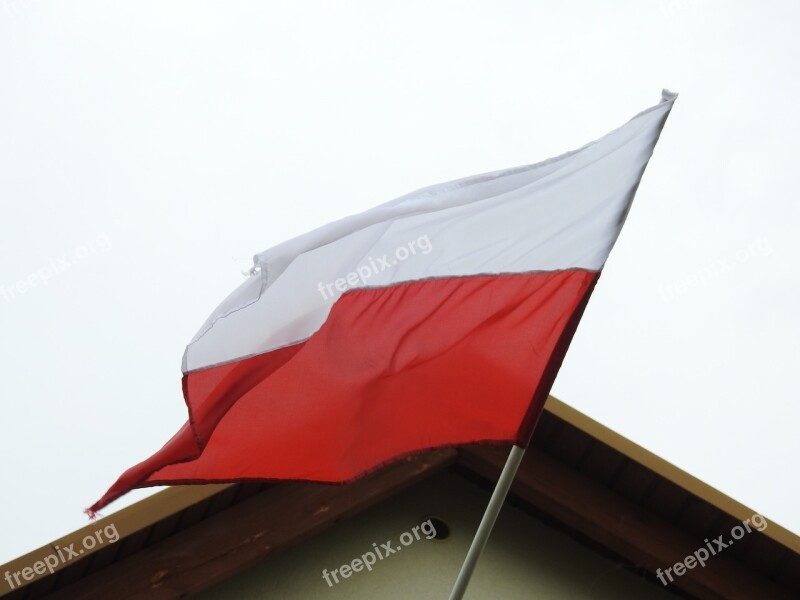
(489, 517)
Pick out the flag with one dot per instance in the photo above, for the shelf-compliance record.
(437, 319)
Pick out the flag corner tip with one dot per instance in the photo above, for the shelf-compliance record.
(667, 95)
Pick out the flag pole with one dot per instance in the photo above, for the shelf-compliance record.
(487, 522)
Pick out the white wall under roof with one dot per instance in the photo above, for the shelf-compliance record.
(524, 558)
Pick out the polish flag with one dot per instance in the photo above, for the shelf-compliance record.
(437, 319)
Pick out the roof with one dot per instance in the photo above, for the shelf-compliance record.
(577, 476)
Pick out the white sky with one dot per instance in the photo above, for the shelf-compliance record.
(158, 145)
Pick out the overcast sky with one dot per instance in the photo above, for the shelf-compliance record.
(148, 149)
